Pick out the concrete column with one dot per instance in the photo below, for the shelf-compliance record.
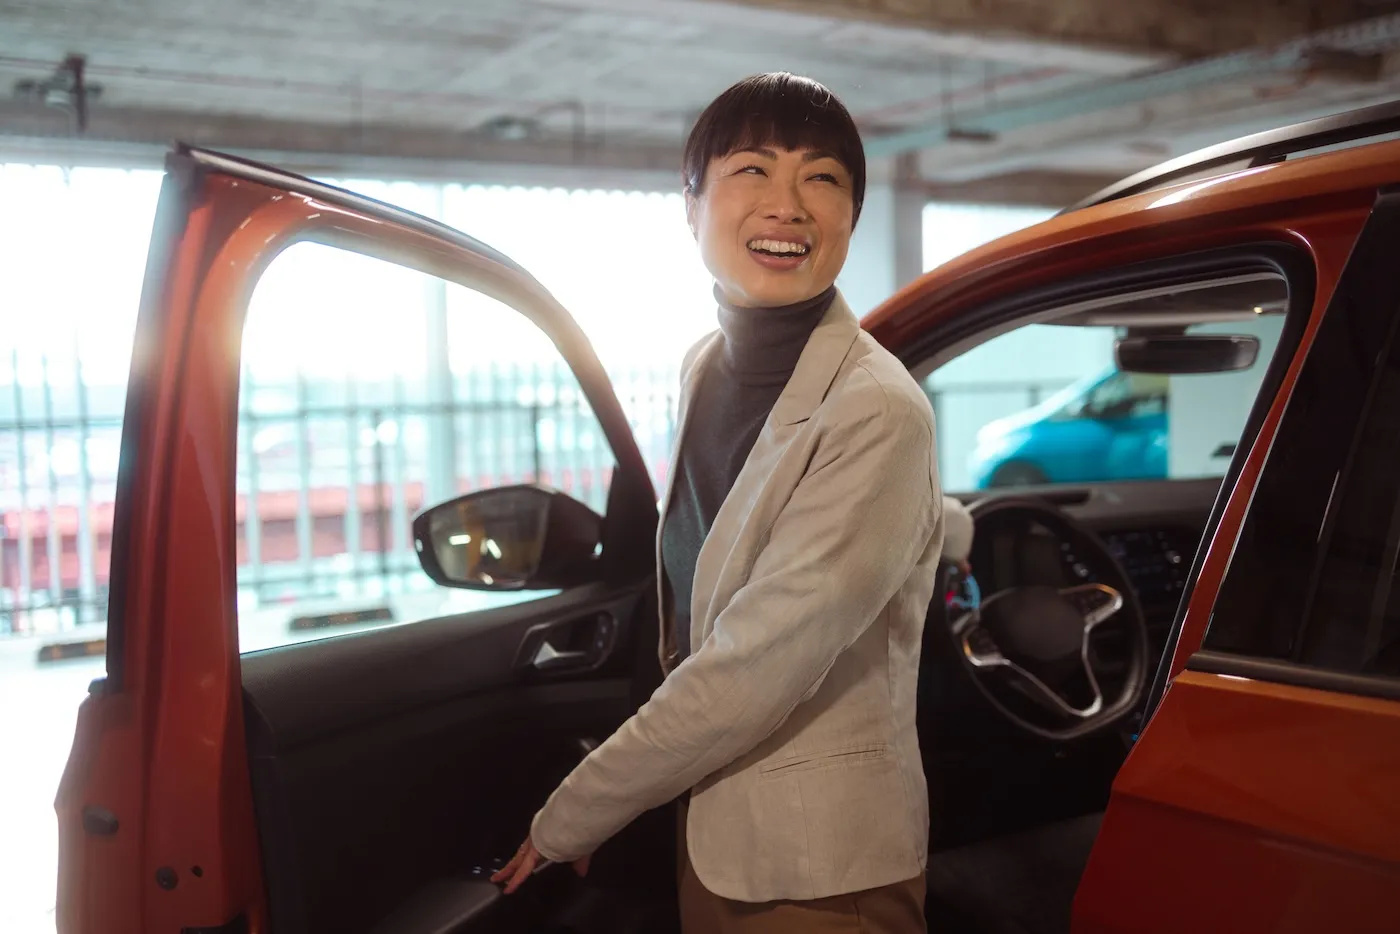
(1206, 414)
(887, 248)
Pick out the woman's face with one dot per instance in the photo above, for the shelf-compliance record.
(773, 225)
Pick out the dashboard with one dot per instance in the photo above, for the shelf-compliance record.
(1151, 529)
(1157, 561)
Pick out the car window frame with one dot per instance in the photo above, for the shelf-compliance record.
(174, 205)
(631, 500)
(1279, 257)
(1371, 256)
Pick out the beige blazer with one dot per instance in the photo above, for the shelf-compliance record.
(793, 718)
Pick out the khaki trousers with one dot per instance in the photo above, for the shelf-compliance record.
(890, 909)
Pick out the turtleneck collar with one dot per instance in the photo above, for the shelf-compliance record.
(762, 345)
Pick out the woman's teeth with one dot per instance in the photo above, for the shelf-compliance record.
(778, 247)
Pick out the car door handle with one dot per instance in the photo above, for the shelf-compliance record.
(547, 657)
(569, 645)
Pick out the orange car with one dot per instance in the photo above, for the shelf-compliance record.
(1119, 737)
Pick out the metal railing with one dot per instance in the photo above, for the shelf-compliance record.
(330, 475)
(327, 485)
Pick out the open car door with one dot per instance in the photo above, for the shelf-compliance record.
(299, 731)
(1264, 795)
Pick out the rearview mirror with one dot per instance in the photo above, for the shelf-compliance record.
(509, 538)
(1183, 354)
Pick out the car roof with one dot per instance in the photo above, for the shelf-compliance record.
(996, 268)
(1266, 148)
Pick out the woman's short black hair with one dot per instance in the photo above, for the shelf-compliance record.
(776, 109)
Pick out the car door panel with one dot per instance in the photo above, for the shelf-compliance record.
(394, 739)
(1134, 446)
(314, 689)
(1086, 445)
(386, 764)
(1265, 836)
(448, 906)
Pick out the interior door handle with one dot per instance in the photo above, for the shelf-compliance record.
(548, 657)
(575, 644)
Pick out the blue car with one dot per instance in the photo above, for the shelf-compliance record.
(1109, 426)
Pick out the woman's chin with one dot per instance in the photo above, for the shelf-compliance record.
(775, 291)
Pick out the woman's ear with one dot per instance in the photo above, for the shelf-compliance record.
(690, 207)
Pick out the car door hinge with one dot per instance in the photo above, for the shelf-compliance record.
(238, 925)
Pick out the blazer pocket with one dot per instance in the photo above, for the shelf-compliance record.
(833, 758)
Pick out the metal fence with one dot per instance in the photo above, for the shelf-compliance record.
(327, 487)
(331, 474)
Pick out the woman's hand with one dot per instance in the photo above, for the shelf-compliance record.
(526, 862)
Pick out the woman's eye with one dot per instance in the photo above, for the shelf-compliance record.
(825, 177)
(751, 170)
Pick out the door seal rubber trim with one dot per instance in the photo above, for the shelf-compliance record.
(1294, 674)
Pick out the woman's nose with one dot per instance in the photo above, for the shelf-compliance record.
(783, 202)
(787, 215)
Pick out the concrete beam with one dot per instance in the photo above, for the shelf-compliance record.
(132, 138)
(1175, 28)
(839, 26)
(1124, 140)
(1293, 61)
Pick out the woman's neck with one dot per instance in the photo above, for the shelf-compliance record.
(762, 345)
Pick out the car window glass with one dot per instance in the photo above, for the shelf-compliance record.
(1148, 396)
(1354, 623)
(1044, 403)
(368, 393)
(1313, 575)
(1108, 397)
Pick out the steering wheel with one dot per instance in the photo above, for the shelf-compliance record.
(1034, 641)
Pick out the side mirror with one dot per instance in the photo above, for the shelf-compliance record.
(509, 538)
(1184, 354)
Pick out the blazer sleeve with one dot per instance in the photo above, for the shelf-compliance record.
(855, 527)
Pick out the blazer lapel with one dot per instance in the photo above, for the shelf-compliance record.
(816, 370)
(690, 381)
(818, 365)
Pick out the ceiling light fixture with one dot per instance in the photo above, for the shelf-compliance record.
(66, 89)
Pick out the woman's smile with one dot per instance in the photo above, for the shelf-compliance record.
(778, 251)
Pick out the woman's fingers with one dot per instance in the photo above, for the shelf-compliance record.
(519, 868)
(524, 864)
(523, 871)
(508, 870)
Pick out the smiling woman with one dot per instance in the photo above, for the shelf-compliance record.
(798, 544)
(774, 181)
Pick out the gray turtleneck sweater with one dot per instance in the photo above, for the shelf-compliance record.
(743, 378)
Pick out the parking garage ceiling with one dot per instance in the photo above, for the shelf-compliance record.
(977, 88)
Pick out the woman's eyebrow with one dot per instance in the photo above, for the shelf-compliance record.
(817, 154)
(757, 151)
